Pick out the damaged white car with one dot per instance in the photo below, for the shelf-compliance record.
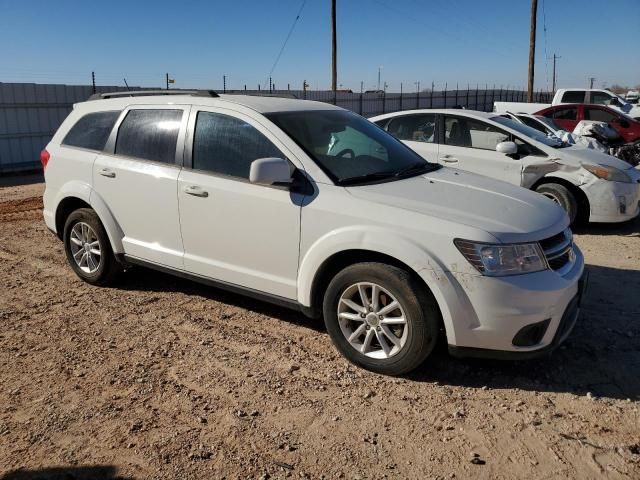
(588, 184)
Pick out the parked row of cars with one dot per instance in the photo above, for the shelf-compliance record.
(362, 223)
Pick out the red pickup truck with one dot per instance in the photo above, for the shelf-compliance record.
(567, 116)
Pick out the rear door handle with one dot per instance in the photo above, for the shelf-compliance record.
(105, 172)
(196, 191)
(449, 159)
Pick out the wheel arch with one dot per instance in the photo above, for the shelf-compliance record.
(584, 207)
(344, 258)
(72, 202)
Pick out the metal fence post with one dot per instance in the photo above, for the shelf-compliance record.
(476, 104)
(418, 96)
(484, 99)
(360, 102)
(466, 100)
(400, 95)
(431, 97)
(384, 101)
(445, 94)
(304, 89)
(456, 104)
(224, 84)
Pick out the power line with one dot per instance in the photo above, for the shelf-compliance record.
(293, 25)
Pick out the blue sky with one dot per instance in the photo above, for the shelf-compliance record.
(197, 42)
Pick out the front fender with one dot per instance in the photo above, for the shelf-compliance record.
(379, 240)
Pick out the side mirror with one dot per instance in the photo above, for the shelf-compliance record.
(508, 148)
(270, 171)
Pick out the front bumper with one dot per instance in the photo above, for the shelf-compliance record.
(612, 202)
(489, 312)
(564, 328)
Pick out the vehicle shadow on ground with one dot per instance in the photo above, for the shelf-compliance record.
(15, 180)
(630, 228)
(95, 472)
(144, 279)
(601, 356)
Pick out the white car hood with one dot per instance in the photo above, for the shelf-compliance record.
(575, 156)
(509, 213)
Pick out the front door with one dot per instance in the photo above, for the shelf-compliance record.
(235, 231)
(470, 144)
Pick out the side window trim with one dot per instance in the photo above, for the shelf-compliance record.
(110, 146)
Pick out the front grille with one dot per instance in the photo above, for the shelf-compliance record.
(559, 251)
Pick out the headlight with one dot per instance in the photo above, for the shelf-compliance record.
(501, 260)
(607, 173)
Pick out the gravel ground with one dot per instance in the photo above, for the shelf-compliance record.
(164, 378)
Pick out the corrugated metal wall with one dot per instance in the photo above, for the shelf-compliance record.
(30, 113)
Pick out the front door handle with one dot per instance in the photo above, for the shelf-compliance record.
(105, 172)
(449, 159)
(196, 191)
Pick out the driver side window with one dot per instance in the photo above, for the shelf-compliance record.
(469, 133)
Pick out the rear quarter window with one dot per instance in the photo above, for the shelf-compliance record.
(92, 130)
(149, 135)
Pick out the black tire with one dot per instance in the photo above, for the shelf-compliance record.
(420, 310)
(562, 196)
(108, 267)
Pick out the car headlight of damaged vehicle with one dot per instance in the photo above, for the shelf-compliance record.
(501, 260)
(607, 173)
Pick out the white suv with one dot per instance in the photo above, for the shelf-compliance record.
(308, 205)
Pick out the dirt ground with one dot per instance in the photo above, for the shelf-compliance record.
(164, 378)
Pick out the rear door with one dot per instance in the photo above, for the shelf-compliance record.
(470, 144)
(622, 125)
(137, 178)
(418, 131)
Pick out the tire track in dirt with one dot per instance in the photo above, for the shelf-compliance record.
(22, 209)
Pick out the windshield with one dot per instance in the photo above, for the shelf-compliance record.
(528, 131)
(349, 148)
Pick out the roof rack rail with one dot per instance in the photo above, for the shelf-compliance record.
(146, 93)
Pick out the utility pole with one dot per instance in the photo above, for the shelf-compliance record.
(224, 84)
(166, 75)
(553, 79)
(591, 81)
(532, 48)
(334, 48)
(93, 81)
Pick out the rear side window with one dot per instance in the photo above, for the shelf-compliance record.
(598, 115)
(150, 135)
(227, 145)
(573, 97)
(91, 131)
(417, 128)
(563, 114)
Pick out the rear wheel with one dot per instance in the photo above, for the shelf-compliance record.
(380, 318)
(562, 196)
(88, 248)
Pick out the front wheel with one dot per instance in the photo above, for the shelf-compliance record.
(381, 318)
(562, 196)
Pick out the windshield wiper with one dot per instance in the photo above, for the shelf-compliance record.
(418, 168)
(366, 177)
